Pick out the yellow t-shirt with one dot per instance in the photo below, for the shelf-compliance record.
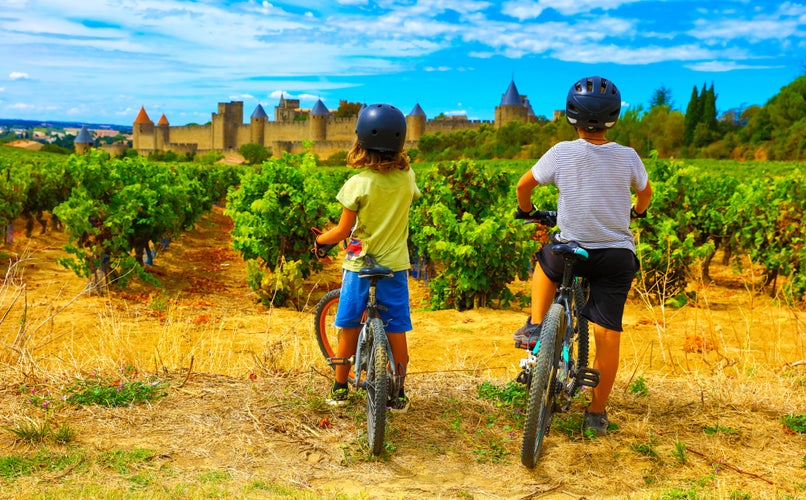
(382, 202)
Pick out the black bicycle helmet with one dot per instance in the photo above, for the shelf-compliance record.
(593, 103)
(381, 127)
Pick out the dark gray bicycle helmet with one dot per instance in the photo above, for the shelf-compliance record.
(593, 103)
(381, 127)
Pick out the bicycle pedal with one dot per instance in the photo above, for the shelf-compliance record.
(334, 361)
(588, 377)
(524, 345)
(523, 377)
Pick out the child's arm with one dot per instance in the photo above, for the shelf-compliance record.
(526, 185)
(341, 231)
(642, 199)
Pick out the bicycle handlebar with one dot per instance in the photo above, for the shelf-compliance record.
(543, 217)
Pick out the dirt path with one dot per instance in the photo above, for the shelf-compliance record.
(247, 384)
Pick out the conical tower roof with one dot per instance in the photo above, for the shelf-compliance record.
(84, 136)
(319, 108)
(511, 97)
(142, 118)
(417, 111)
(259, 112)
(163, 122)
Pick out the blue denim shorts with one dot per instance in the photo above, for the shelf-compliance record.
(392, 295)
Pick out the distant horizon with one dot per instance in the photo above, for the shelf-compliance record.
(99, 63)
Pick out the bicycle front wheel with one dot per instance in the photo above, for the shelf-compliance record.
(327, 334)
(377, 386)
(542, 391)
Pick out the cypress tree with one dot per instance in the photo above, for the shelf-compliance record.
(692, 117)
(708, 116)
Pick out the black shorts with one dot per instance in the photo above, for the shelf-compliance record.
(609, 272)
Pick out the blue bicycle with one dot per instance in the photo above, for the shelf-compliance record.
(555, 369)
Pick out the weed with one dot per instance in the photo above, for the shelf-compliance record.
(64, 434)
(493, 452)
(121, 461)
(214, 476)
(30, 431)
(569, 424)
(108, 392)
(740, 495)
(12, 466)
(719, 429)
(680, 452)
(678, 494)
(639, 387)
(796, 423)
(648, 448)
(511, 394)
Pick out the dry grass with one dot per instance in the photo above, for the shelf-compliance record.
(245, 415)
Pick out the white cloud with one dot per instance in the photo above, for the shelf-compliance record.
(523, 10)
(722, 66)
(16, 75)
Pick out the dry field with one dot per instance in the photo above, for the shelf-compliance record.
(699, 400)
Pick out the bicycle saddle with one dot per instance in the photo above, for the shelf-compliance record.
(372, 268)
(570, 247)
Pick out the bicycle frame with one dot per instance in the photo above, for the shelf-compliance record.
(365, 338)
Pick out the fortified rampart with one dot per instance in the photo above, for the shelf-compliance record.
(294, 126)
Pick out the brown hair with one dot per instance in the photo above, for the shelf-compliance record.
(379, 161)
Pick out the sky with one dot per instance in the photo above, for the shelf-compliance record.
(99, 61)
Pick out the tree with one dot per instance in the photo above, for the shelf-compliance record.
(692, 117)
(661, 97)
(347, 109)
(254, 154)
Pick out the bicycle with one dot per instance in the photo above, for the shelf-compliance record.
(555, 369)
(373, 366)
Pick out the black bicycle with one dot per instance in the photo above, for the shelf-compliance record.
(555, 369)
(373, 367)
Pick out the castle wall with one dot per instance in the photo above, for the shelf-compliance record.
(448, 126)
(201, 135)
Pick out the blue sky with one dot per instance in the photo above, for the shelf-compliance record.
(99, 61)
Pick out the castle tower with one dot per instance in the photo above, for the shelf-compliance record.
(143, 132)
(415, 123)
(225, 125)
(287, 110)
(512, 107)
(83, 142)
(161, 134)
(258, 122)
(319, 119)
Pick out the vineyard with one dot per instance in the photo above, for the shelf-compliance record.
(236, 240)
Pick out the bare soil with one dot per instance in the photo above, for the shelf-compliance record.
(244, 415)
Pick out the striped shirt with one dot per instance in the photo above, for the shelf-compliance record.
(595, 183)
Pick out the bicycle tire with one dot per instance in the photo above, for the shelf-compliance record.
(582, 327)
(327, 334)
(377, 387)
(542, 391)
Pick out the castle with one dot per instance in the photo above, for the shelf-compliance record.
(292, 125)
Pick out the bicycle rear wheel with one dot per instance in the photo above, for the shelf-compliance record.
(581, 328)
(377, 386)
(542, 391)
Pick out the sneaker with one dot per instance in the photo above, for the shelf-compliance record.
(526, 336)
(597, 422)
(338, 395)
(400, 404)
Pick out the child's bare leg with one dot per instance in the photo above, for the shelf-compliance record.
(543, 290)
(400, 351)
(345, 349)
(606, 361)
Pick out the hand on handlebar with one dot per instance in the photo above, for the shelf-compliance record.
(320, 249)
(635, 215)
(544, 217)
